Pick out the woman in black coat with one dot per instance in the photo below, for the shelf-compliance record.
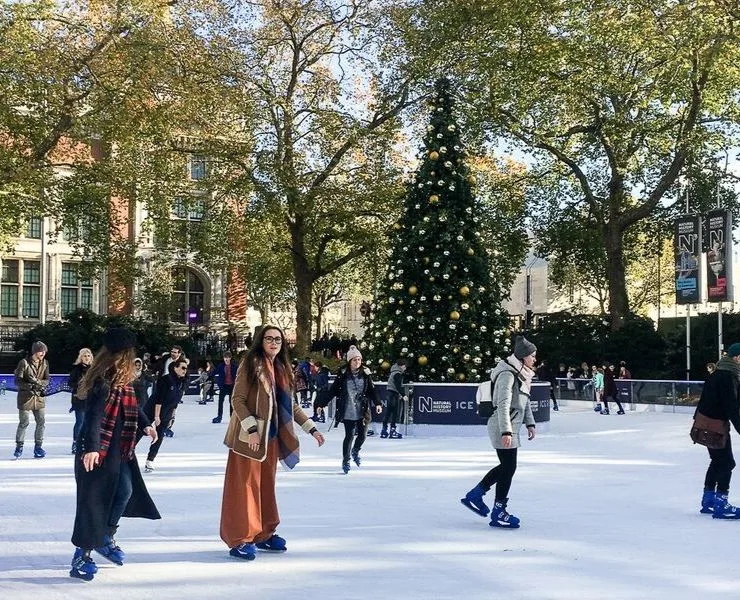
(109, 483)
(354, 390)
(160, 408)
(79, 368)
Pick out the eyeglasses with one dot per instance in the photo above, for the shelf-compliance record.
(273, 340)
(182, 368)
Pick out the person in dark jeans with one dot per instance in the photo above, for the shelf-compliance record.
(354, 390)
(720, 400)
(79, 368)
(611, 393)
(161, 407)
(394, 392)
(225, 376)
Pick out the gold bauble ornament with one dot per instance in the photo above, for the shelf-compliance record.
(471, 180)
(434, 155)
(396, 226)
(422, 360)
(426, 260)
(464, 290)
(413, 290)
(461, 377)
(431, 279)
(471, 252)
(454, 315)
(433, 199)
(385, 365)
(456, 349)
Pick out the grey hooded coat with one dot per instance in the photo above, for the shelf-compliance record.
(512, 406)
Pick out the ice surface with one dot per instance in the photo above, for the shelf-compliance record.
(609, 508)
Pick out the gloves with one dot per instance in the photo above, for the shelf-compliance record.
(71, 409)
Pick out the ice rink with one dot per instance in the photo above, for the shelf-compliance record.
(609, 508)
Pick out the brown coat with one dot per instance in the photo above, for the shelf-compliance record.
(253, 404)
(31, 379)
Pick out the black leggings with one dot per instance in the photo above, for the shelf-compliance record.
(606, 400)
(720, 469)
(392, 409)
(502, 474)
(349, 433)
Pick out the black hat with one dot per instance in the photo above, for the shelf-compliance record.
(118, 339)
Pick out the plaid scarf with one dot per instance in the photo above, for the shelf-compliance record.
(287, 438)
(125, 397)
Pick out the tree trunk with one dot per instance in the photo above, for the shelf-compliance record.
(615, 270)
(318, 319)
(304, 278)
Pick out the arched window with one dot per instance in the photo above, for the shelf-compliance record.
(188, 297)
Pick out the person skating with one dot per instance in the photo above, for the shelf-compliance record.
(225, 375)
(354, 390)
(511, 380)
(260, 432)
(161, 407)
(79, 368)
(32, 381)
(610, 393)
(720, 400)
(109, 483)
(394, 393)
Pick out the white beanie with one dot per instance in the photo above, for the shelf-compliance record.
(353, 352)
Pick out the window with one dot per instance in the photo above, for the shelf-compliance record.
(31, 288)
(72, 232)
(76, 291)
(197, 167)
(9, 289)
(33, 230)
(188, 297)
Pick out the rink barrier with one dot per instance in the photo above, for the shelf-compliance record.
(632, 392)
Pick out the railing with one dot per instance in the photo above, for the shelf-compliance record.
(635, 391)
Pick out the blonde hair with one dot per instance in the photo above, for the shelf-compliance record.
(117, 369)
(83, 352)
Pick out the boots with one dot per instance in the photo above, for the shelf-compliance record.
(18, 450)
(394, 435)
(39, 452)
(474, 501)
(501, 518)
(148, 466)
(597, 408)
(83, 566)
(355, 454)
(384, 432)
(707, 502)
(723, 509)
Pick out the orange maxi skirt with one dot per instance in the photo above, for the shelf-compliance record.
(249, 511)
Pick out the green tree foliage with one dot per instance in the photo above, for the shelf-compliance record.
(440, 303)
(611, 98)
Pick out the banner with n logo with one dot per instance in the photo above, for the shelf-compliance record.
(719, 256)
(686, 250)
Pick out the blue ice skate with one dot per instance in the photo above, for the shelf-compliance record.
(274, 544)
(723, 509)
(474, 501)
(111, 551)
(83, 566)
(501, 518)
(707, 502)
(246, 551)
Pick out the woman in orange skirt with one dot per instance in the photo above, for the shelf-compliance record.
(261, 432)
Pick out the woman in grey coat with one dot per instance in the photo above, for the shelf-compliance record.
(511, 380)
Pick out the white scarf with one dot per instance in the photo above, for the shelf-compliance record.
(524, 373)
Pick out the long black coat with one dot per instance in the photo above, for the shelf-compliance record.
(719, 397)
(96, 489)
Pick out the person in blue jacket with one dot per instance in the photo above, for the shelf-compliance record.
(225, 376)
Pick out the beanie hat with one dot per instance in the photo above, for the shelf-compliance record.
(117, 339)
(734, 350)
(353, 352)
(38, 346)
(523, 347)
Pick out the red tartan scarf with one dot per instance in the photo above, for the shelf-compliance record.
(120, 397)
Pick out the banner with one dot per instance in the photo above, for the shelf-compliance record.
(686, 249)
(719, 256)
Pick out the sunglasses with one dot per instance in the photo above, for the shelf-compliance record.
(273, 340)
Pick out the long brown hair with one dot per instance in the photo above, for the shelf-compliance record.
(256, 357)
(117, 369)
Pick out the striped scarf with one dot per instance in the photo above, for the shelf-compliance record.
(125, 397)
(287, 438)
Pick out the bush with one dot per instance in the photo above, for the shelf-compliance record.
(84, 329)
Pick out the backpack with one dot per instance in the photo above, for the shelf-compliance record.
(485, 408)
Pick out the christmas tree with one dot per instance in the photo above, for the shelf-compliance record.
(437, 305)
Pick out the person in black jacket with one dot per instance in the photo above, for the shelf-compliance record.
(354, 390)
(79, 368)
(610, 390)
(720, 400)
(160, 408)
